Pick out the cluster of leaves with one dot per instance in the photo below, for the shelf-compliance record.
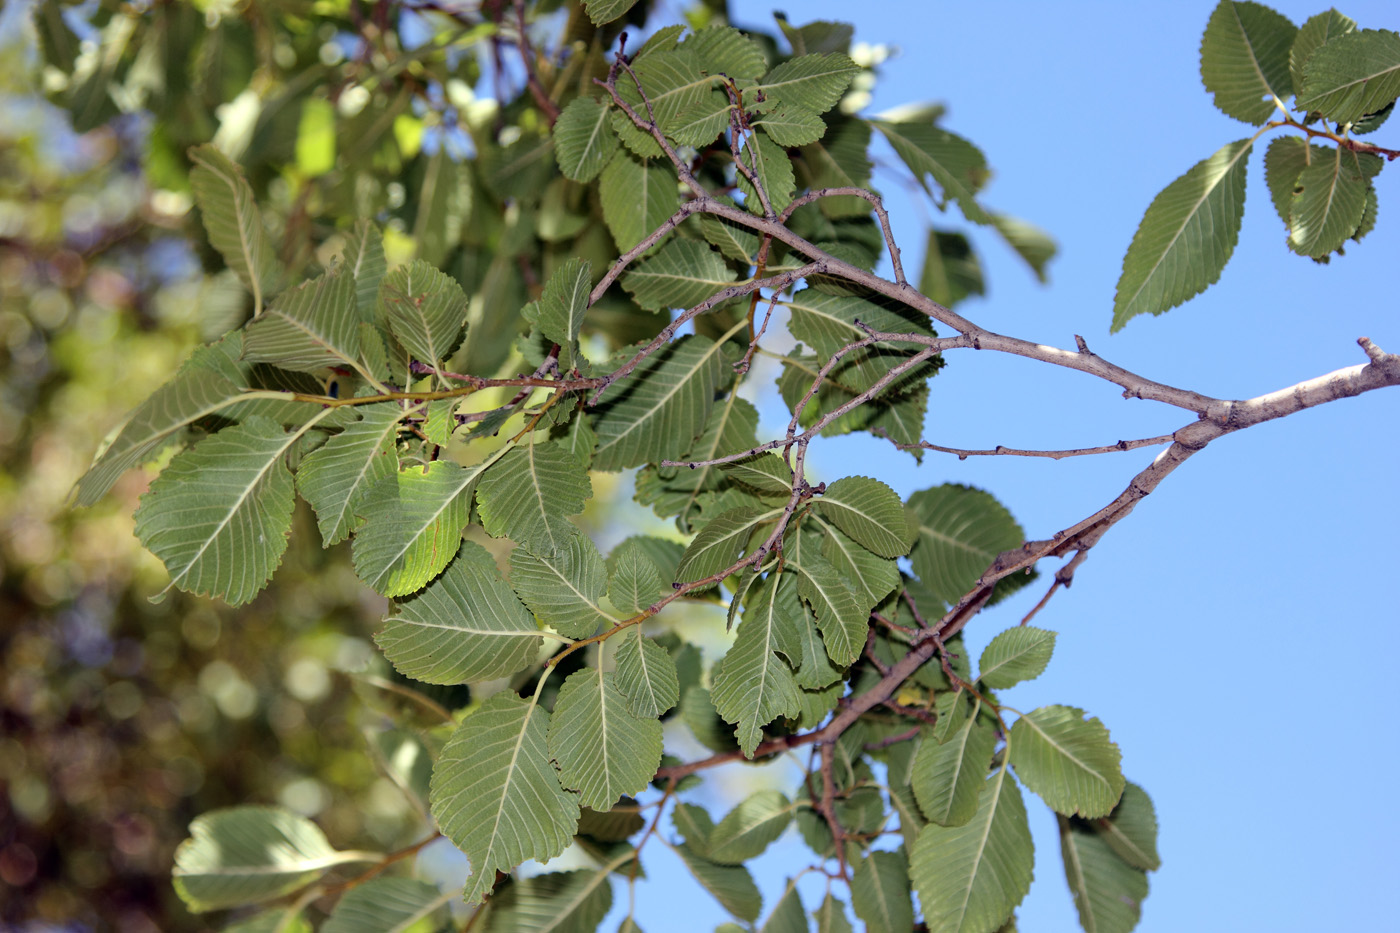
(450, 426)
(1321, 179)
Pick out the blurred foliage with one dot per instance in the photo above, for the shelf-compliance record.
(120, 719)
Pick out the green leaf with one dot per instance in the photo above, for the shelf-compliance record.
(308, 328)
(868, 511)
(218, 516)
(1329, 201)
(767, 474)
(563, 586)
(815, 669)
(192, 395)
(659, 410)
(956, 165)
(792, 126)
(831, 916)
(637, 198)
(733, 240)
(1318, 30)
(1185, 238)
(1015, 655)
(773, 169)
(841, 159)
(233, 222)
(816, 36)
(673, 83)
(682, 274)
(444, 201)
(880, 891)
(495, 794)
(1352, 75)
(698, 713)
(336, 478)
(1284, 161)
(565, 302)
(948, 778)
(59, 43)
(316, 137)
(971, 877)
(676, 491)
(413, 523)
(720, 543)
(751, 685)
(695, 826)
(788, 915)
(960, 531)
(1244, 59)
(364, 259)
(748, 829)
(646, 674)
(731, 885)
(871, 576)
(1070, 762)
(583, 141)
(812, 82)
(1131, 829)
(700, 124)
(386, 905)
(604, 750)
(1030, 242)
(843, 621)
(635, 583)
(1108, 892)
(529, 493)
(247, 854)
(827, 324)
(426, 311)
(465, 627)
(605, 11)
(951, 270)
(555, 902)
(725, 50)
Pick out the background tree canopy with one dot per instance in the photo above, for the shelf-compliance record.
(403, 253)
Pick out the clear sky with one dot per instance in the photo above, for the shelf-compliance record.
(1238, 632)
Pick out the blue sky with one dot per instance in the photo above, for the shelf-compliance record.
(1237, 633)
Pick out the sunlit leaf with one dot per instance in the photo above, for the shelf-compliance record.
(720, 543)
(838, 609)
(605, 11)
(635, 582)
(770, 165)
(956, 165)
(1319, 29)
(1329, 200)
(637, 197)
(813, 82)
(413, 523)
(868, 511)
(336, 478)
(555, 902)
(308, 328)
(247, 854)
